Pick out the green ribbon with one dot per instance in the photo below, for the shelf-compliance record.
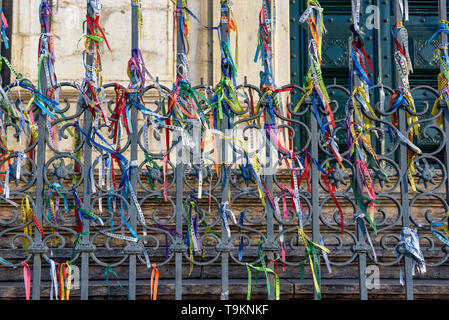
(262, 262)
(316, 262)
(358, 199)
(88, 213)
(266, 270)
(77, 240)
(155, 165)
(208, 229)
(220, 107)
(262, 268)
(9, 65)
(106, 272)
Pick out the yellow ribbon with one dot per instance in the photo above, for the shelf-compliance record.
(306, 240)
(410, 171)
(410, 117)
(26, 216)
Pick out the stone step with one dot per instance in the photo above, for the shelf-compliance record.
(209, 289)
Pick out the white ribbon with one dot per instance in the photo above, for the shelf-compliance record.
(19, 164)
(382, 99)
(277, 209)
(408, 142)
(225, 219)
(365, 231)
(326, 258)
(92, 181)
(6, 188)
(54, 281)
(119, 236)
(356, 14)
(200, 180)
(136, 203)
(403, 5)
(410, 242)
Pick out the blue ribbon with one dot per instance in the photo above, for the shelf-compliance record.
(317, 114)
(196, 18)
(244, 174)
(251, 169)
(91, 141)
(128, 119)
(242, 215)
(399, 101)
(55, 186)
(134, 102)
(39, 98)
(439, 224)
(359, 69)
(131, 230)
(5, 38)
(442, 28)
(313, 160)
(5, 261)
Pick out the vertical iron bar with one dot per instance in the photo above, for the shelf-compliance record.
(85, 242)
(315, 188)
(315, 175)
(361, 238)
(379, 68)
(224, 192)
(179, 173)
(269, 246)
(133, 139)
(210, 42)
(87, 127)
(403, 164)
(40, 164)
(442, 15)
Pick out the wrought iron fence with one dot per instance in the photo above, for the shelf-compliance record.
(145, 225)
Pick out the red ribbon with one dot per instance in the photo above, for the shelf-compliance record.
(326, 183)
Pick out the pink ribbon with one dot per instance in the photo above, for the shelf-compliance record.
(284, 205)
(27, 279)
(164, 168)
(367, 182)
(5, 22)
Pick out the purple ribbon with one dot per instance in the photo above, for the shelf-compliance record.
(348, 129)
(137, 56)
(173, 233)
(45, 12)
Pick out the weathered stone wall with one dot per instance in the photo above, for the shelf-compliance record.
(157, 39)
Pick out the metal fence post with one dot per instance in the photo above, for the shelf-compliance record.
(442, 15)
(361, 237)
(210, 42)
(315, 174)
(179, 245)
(40, 164)
(403, 165)
(134, 136)
(315, 188)
(225, 184)
(269, 246)
(85, 245)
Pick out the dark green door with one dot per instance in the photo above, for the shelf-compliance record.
(423, 20)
